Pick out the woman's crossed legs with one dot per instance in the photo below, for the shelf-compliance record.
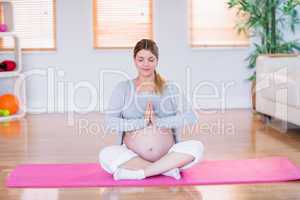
(123, 163)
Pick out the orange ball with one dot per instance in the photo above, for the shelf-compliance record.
(9, 102)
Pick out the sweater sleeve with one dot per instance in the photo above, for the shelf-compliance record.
(114, 120)
(184, 113)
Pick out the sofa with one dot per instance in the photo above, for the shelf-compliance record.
(278, 87)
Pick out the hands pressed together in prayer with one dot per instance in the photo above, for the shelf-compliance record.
(150, 117)
(149, 114)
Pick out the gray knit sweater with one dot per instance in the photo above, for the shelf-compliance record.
(126, 109)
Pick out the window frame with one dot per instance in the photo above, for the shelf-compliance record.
(38, 49)
(95, 25)
(217, 46)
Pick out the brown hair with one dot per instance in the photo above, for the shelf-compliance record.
(151, 46)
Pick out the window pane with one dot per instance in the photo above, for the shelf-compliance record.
(34, 22)
(121, 23)
(212, 24)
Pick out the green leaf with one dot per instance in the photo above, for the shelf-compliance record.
(252, 77)
(259, 22)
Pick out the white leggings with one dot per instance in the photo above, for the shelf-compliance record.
(111, 157)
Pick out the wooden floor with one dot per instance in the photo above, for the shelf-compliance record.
(64, 138)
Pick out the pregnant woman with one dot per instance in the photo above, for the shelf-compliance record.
(148, 114)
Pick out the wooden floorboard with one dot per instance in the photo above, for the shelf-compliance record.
(65, 138)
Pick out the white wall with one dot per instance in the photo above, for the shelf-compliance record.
(82, 65)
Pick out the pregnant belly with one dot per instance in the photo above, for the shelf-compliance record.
(150, 143)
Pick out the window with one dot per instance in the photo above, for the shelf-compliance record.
(120, 24)
(34, 22)
(212, 23)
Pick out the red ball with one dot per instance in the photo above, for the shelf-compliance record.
(10, 65)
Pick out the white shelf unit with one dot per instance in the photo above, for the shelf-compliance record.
(12, 82)
(17, 54)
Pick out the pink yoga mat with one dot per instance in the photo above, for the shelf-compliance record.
(261, 170)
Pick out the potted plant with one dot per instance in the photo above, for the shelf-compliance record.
(268, 22)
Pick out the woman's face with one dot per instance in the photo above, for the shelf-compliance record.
(145, 63)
